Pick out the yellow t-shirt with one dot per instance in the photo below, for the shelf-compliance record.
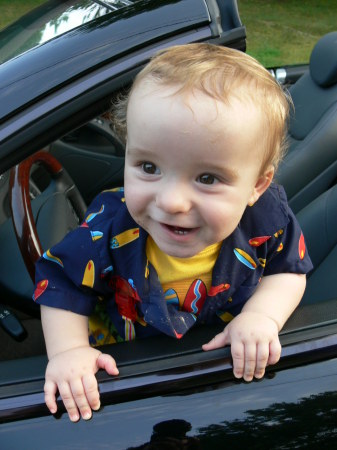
(183, 280)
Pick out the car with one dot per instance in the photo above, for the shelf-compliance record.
(61, 68)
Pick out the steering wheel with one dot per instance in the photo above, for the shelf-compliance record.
(21, 208)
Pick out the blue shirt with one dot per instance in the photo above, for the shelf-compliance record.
(105, 258)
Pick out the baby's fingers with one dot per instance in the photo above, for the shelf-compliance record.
(68, 397)
(106, 362)
(220, 340)
(79, 399)
(50, 389)
(274, 351)
(238, 356)
(91, 391)
(262, 356)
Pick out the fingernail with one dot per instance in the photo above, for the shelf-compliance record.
(74, 417)
(86, 416)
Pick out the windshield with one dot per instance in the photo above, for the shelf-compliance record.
(52, 19)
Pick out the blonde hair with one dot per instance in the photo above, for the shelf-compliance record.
(221, 73)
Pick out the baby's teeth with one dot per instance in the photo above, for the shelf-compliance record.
(180, 232)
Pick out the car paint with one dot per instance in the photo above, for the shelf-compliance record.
(203, 394)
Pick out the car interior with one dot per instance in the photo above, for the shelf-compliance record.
(93, 156)
(310, 166)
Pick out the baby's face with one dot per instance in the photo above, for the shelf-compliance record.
(192, 166)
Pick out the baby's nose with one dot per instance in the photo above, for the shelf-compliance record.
(173, 199)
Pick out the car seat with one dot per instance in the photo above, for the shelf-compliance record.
(319, 224)
(310, 166)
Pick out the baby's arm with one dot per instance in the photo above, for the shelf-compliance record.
(253, 334)
(72, 363)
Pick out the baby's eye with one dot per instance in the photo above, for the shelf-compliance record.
(207, 178)
(150, 168)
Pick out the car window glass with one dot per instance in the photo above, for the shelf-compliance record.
(117, 4)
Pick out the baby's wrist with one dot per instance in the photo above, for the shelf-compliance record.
(263, 314)
(62, 351)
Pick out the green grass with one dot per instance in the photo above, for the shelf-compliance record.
(10, 10)
(278, 31)
(285, 31)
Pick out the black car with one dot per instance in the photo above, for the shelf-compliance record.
(61, 68)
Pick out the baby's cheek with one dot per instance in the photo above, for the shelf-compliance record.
(133, 210)
(131, 199)
(221, 225)
(224, 220)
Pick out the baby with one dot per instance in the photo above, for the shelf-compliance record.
(199, 234)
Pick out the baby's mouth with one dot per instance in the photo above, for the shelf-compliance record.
(179, 230)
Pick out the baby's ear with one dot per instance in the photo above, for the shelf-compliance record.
(262, 184)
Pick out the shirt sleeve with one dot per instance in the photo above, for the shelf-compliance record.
(69, 275)
(287, 252)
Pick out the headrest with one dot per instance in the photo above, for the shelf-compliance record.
(323, 60)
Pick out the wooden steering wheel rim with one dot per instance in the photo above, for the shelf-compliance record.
(21, 209)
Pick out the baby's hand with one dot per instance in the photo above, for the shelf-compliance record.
(72, 373)
(254, 344)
